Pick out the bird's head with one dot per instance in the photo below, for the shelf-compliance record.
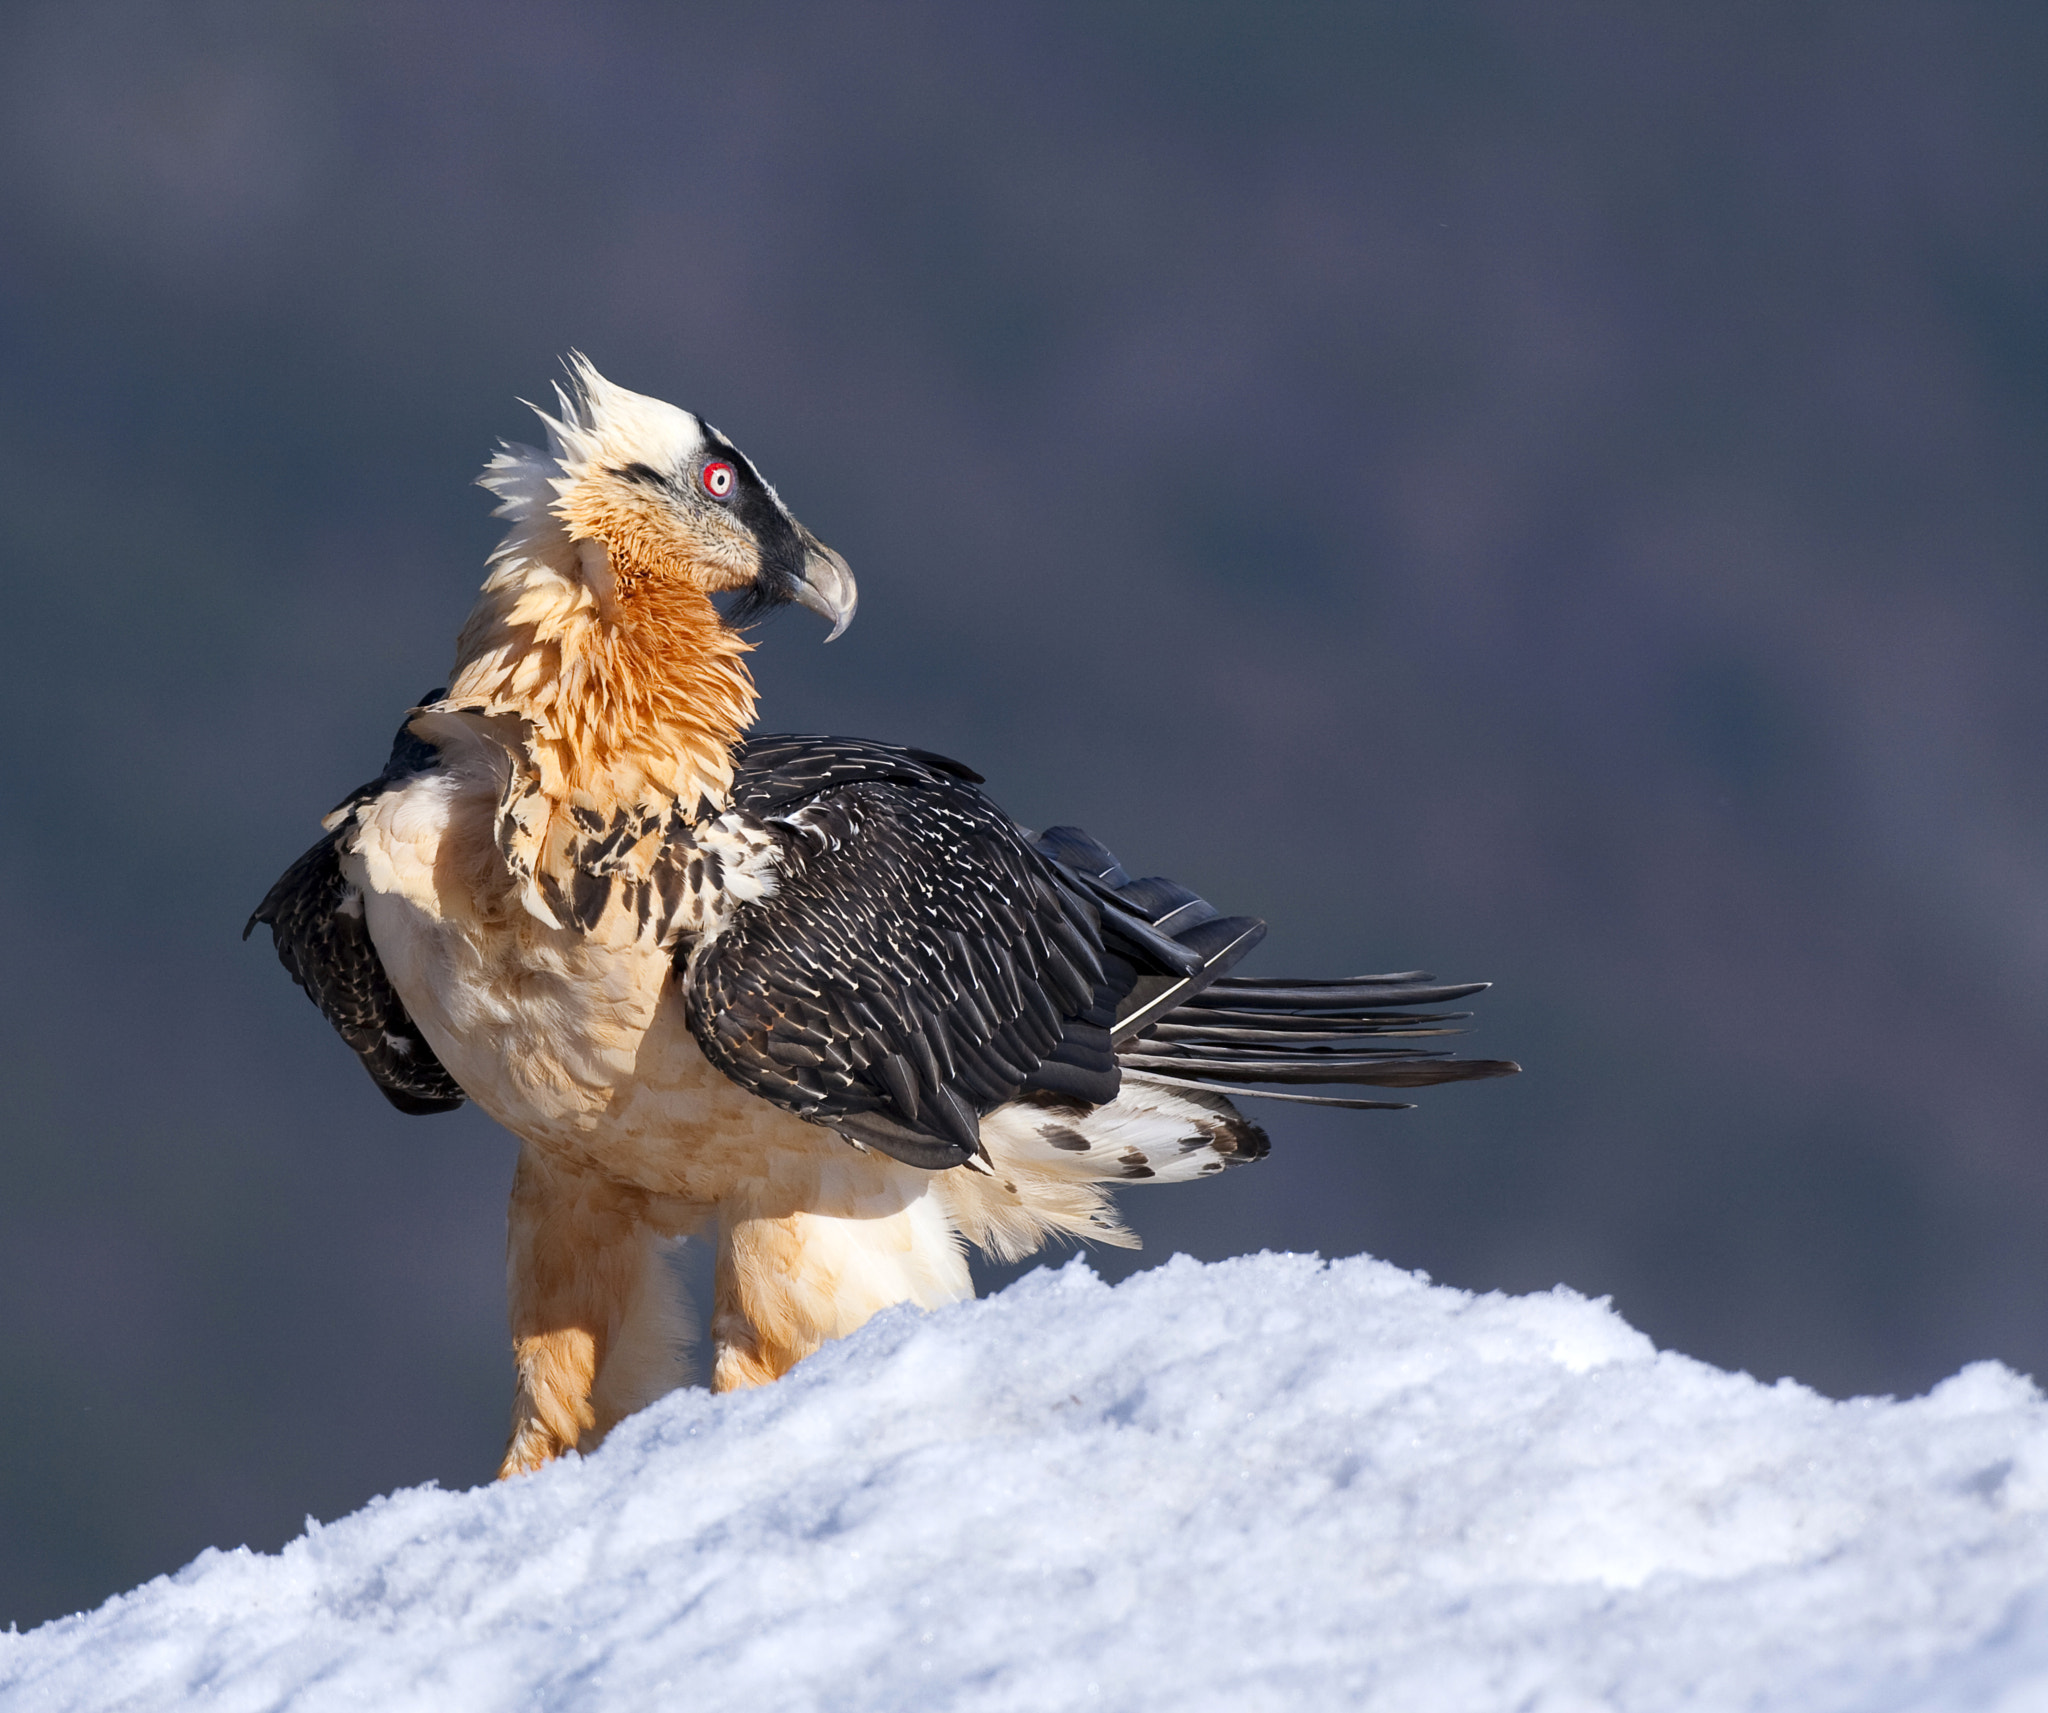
(654, 500)
(596, 622)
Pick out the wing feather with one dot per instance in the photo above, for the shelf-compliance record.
(924, 960)
(919, 961)
(317, 925)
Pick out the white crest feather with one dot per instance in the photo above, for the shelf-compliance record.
(599, 426)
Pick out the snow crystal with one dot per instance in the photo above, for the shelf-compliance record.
(1265, 1483)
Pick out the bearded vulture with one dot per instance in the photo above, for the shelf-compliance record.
(816, 999)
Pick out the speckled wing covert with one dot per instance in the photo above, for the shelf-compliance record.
(316, 922)
(921, 961)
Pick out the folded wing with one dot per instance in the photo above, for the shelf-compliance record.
(925, 960)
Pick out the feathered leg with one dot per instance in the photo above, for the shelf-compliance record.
(787, 1282)
(597, 1321)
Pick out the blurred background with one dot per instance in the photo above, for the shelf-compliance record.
(1543, 492)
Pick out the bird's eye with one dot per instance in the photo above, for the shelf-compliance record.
(719, 481)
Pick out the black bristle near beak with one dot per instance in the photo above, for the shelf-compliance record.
(794, 566)
(818, 580)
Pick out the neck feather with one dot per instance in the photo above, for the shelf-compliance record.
(635, 696)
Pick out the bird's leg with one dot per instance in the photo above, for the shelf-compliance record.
(788, 1281)
(597, 1327)
(759, 1327)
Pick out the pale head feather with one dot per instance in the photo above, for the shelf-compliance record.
(600, 426)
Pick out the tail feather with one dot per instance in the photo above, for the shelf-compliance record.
(1357, 1068)
(1283, 1036)
(1351, 1103)
(1202, 1028)
(1348, 993)
(1240, 1031)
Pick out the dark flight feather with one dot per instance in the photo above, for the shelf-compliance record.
(317, 924)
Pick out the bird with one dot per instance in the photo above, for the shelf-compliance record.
(815, 1000)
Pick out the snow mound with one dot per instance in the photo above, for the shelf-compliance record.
(1267, 1483)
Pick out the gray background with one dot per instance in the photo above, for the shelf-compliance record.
(1545, 492)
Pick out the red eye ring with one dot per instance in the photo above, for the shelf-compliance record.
(719, 479)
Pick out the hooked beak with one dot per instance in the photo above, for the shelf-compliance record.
(827, 587)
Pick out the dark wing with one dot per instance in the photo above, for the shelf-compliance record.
(316, 922)
(921, 961)
(775, 771)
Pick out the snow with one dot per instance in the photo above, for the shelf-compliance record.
(1264, 1483)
